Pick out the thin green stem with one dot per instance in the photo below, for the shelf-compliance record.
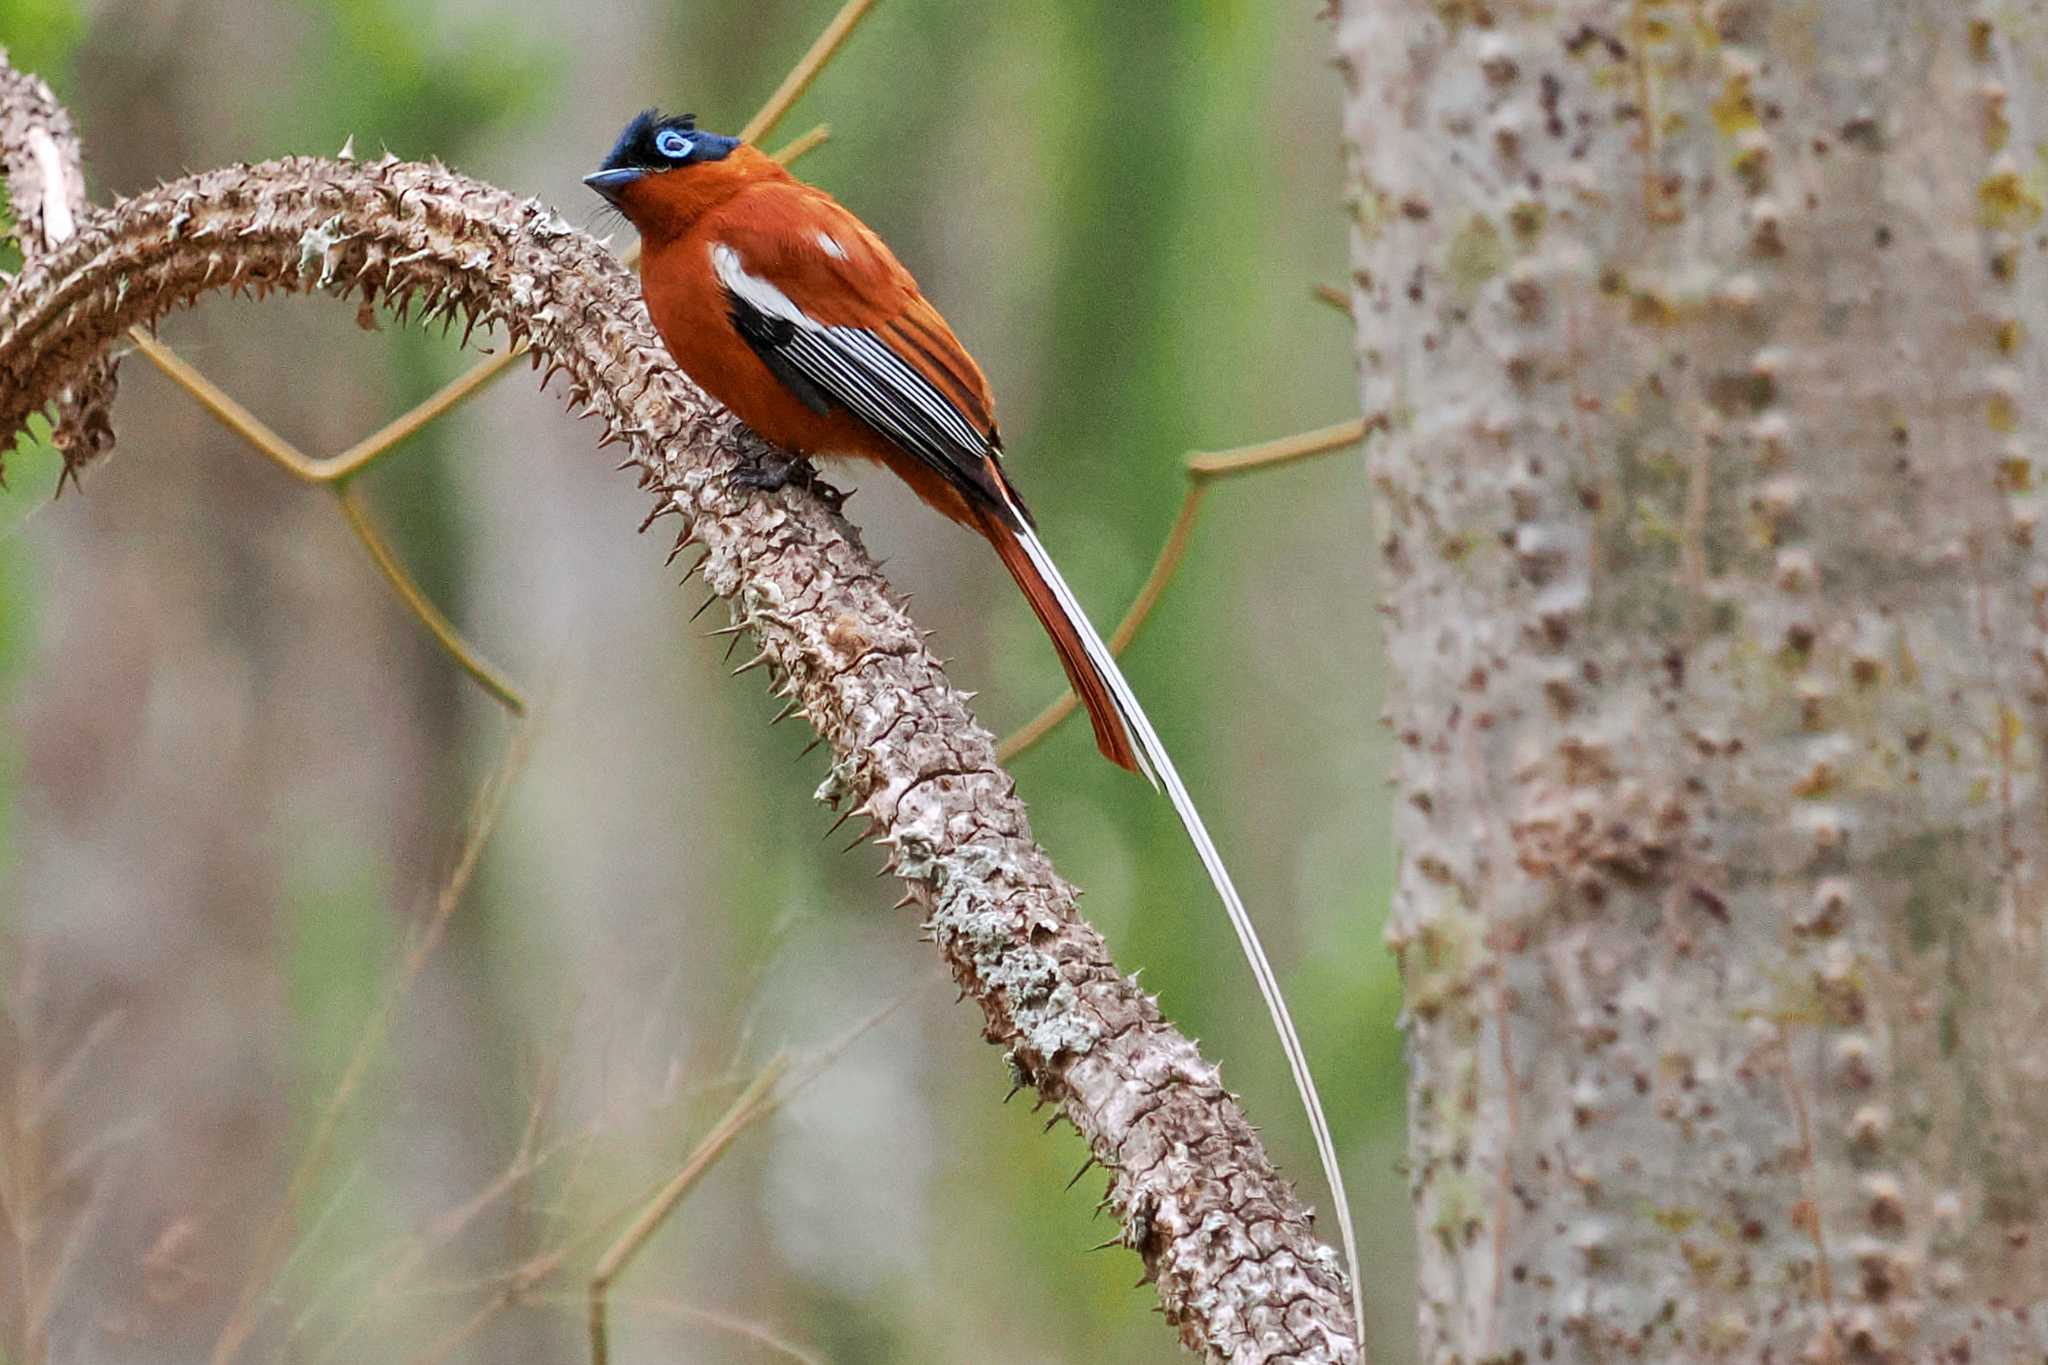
(380, 442)
(486, 677)
(806, 70)
(225, 409)
(334, 473)
(755, 1102)
(1202, 470)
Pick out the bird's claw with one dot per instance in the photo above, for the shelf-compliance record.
(833, 496)
(772, 472)
(767, 473)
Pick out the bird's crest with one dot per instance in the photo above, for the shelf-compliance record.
(641, 145)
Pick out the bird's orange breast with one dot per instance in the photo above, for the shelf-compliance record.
(693, 315)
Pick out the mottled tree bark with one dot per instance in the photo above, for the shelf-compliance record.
(1716, 601)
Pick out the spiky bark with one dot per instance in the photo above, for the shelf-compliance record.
(1237, 1266)
(1715, 597)
(46, 190)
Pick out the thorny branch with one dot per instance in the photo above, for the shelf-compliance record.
(1228, 1244)
(46, 189)
(336, 473)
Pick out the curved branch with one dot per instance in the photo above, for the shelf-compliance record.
(46, 190)
(1230, 1246)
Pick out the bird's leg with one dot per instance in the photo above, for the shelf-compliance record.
(769, 470)
(775, 469)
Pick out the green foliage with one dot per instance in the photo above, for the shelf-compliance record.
(384, 74)
(40, 35)
(420, 86)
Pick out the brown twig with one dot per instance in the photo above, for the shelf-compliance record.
(224, 409)
(515, 1288)
(700, 1317)
(803, 144)
(1332, 295)
(757, 1102)
(523, 1280)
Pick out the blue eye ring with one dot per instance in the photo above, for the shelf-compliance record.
(673, 145)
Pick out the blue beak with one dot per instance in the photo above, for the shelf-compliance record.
(611, 184)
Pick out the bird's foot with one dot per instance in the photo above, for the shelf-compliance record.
(773, 471)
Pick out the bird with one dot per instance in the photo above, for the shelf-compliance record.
(788, 309)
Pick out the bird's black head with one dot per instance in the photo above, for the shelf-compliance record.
(653, 143)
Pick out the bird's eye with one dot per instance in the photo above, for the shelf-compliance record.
(672, 144)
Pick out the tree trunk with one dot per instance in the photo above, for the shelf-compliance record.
(1715, 604)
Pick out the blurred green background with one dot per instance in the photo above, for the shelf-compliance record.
(234, 774)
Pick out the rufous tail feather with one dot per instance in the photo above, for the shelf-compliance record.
(1127, 738)
(1112, 735)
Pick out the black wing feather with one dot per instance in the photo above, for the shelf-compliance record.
(769, 336)
(855, 369)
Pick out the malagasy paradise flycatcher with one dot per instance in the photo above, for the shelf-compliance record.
(789, 310)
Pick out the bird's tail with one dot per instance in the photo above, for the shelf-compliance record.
(1075, 641)
(1127, 738)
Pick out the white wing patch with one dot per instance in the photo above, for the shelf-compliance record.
(57, 223)
(758, 293)
(830, 246)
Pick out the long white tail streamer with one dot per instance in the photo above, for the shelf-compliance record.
(1158, 765)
